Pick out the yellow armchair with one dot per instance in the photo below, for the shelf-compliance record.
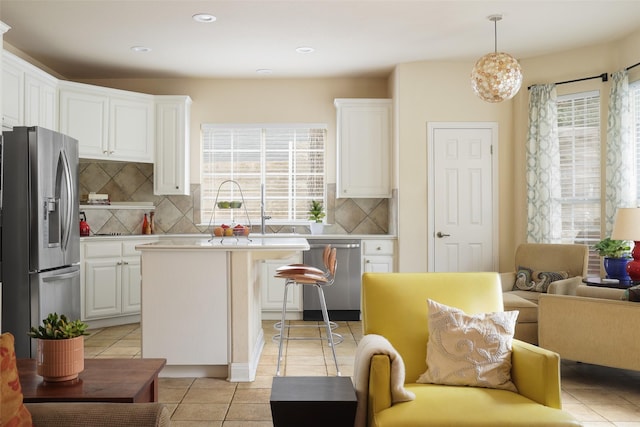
(394, 305)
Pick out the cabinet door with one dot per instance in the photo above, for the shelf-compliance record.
(41, 102)
(131, 128)
(364, 148)
(84, 116)
(377, 264)
(272, 288)
(12, 95)
(102, 288)
(131, 285)
(171, 168)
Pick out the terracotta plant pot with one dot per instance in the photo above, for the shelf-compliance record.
(60, 360)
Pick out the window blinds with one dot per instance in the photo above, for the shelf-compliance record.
(287, 159)
(579, 138)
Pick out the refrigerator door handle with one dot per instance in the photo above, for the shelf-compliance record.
(66, 231)
(61, 276)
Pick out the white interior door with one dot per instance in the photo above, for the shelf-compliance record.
(462, 196)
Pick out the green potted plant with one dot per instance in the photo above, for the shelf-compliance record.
(60, 347)
(616, 255)
(316, 213)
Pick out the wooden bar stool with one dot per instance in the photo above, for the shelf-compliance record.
(302, 274)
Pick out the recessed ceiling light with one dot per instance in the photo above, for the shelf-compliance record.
(305, 49)
(140, 49)
(204, 17)
(264, 71)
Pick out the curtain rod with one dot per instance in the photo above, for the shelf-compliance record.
(632, 66)
(603, 76)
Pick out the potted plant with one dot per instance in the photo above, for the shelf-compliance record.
(616, 256)
(316, 213)
(60, 347)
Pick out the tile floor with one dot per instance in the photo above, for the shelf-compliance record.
(595, 395)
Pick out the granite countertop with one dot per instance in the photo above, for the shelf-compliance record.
(207, 236)
(229, 244)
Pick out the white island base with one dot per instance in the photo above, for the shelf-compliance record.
(201, 304)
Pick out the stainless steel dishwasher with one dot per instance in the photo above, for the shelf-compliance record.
(343, 297)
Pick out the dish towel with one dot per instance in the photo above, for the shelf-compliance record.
(369, 346)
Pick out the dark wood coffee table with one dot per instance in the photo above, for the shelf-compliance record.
(103, 380)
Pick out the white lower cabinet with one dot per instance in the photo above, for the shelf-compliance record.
(110, 279)
(272, 288)
(377, 256)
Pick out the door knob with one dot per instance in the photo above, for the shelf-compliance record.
(440, 234)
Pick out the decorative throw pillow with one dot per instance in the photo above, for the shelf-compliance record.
(470, 350)
(523, 280)
(12, 410)
(542, 279)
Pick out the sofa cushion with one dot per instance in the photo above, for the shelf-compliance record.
(528, 309)
(472, 350)
(12, 410)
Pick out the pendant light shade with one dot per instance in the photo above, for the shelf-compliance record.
(496, 76)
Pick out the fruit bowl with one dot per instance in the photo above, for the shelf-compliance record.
(224, 205)
(235, 205)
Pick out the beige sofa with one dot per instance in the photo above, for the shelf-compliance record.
(542, 257)
(599, 331)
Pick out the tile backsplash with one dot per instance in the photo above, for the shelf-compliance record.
(133, 182)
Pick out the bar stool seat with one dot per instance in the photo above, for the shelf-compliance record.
(306, 275)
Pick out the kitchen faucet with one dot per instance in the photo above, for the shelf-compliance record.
(263, 217)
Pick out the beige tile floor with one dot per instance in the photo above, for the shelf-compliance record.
(595, 395)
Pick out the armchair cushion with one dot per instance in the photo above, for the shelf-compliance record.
(472, 350)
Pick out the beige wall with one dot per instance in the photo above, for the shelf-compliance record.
(439, 92)
(258, 101)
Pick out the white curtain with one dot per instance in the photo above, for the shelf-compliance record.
(620, 162)
(544, 213)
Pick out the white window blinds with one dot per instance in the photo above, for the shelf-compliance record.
(579, 137)
(287, 159)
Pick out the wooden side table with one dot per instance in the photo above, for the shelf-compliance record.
(103, 380)
(313, 402)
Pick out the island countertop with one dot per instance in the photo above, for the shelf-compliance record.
(229, 244)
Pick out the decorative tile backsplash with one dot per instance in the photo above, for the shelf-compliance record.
(133, 182)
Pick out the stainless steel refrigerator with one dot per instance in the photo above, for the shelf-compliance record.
(40, 231)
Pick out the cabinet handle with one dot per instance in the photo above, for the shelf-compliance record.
(368, 261)
(119, 263)
(378, 248)
(105, 152)
(177, 187)
(125, 263)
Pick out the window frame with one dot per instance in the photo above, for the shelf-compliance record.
(297, 211)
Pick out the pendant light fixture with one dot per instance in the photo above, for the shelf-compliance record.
(496, 76)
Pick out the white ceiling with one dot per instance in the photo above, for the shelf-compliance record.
(92, 38)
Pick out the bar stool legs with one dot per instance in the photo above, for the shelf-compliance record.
(325, 316)
(329, 326)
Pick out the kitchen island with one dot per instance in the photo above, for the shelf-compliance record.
(201, 303)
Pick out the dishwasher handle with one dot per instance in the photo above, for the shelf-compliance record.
(335, 245)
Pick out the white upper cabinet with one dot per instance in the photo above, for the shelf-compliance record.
(29, 96)
(171, 167)
(41, 101)
(109, 124)
(364, 148)
(12, 93)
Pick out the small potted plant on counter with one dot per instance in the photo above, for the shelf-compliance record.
(316, 213)
(60, 347)
(616, 256)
